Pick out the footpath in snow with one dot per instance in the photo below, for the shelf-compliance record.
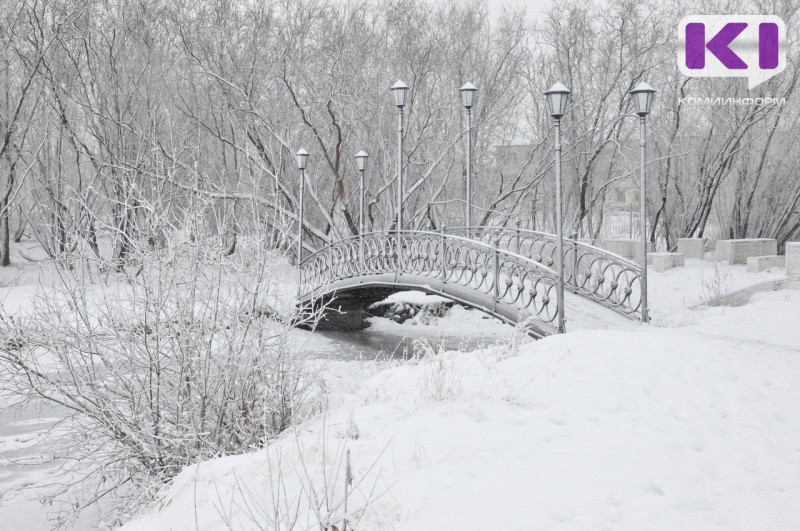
(691, 423)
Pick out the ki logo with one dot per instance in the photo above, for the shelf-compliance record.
(751, 46)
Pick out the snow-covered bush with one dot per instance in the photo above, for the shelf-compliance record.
(183, 362)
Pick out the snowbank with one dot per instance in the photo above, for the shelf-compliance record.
(690, 427)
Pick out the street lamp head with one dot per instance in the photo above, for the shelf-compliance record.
(469, 93)
(400, 92)
(643, 96)
(557, 97)
(302, 159)
(361, 160)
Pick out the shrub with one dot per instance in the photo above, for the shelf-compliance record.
(183, 362)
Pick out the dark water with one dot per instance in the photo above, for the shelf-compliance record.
(378, 342)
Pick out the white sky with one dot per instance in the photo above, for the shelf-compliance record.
(534, 6)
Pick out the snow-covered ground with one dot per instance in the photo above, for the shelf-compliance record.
(619, 403)
(688, 424)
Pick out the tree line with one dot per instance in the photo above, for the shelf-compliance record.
(123, 122)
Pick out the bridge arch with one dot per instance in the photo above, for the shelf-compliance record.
(509, 286)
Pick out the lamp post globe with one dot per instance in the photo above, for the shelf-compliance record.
(361, 160)
(643, 97)
(557, 99)
(469, 93)
(302, 159)
(400, 93)
(361, 163)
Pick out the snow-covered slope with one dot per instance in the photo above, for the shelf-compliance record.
(695, 426)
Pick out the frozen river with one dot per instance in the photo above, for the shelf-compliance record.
(31, 468)
(391, 341)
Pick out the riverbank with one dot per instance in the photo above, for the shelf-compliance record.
(687, 424)
(33, 446)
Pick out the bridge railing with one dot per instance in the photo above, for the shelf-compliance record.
(499, 276)
(589, 271)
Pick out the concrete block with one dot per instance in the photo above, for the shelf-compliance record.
(691, 247)
(722, 250)
(763, 247)
(663, 261)
(624, 248)
(733, 251)
(738, 251)
(793, 261)
(756, 264)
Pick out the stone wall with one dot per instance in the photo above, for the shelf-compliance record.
(756, 264)
(738, 251)
(663, 261)
(793, 261)
(624, 248)
(691, 247)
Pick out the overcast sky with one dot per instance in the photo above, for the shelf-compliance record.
(534, 6)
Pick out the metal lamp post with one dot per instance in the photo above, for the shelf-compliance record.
(643, 96)
(361, 164)
(400, 93)
(557, 97)
(302, 160)
(468, 94)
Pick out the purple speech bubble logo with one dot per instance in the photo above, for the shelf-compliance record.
(732, 46)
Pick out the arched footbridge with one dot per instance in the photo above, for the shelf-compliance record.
(508, 273)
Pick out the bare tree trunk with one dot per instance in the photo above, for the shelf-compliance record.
(23, 224)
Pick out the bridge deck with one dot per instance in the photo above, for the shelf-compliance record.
(508, 278)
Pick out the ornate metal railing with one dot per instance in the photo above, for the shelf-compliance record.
(491, 276)
(594, 273)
